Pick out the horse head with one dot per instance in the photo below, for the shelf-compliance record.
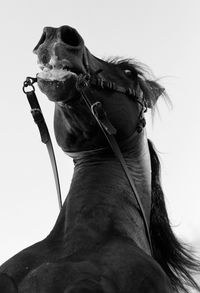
(63, 57)
(99, 242)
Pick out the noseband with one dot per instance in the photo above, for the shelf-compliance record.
(83, 85)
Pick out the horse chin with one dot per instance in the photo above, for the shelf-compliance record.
(58, 90)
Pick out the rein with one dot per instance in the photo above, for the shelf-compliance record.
(83, 84)
(43, 129)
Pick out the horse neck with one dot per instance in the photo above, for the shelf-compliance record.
(99, 182)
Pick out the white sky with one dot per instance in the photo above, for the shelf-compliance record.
(164, 34)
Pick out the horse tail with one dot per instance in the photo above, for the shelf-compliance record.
(174, 257)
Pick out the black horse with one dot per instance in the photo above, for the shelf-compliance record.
(105, 239)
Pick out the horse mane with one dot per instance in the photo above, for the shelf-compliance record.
(175, 257)
(143, 75)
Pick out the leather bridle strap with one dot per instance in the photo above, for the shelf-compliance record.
(108, 129)
(44, 133)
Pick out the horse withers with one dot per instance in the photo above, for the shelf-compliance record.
(100, 242)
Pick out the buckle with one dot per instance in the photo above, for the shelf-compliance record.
(37, 115)
(101, 116)
(82, 82)
(29, 83)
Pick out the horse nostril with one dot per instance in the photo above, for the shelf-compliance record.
(44, 59)
(44, 56)
(70, 36)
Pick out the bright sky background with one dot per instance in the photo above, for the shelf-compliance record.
(164, 34)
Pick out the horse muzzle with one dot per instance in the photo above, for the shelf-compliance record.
(61, 56)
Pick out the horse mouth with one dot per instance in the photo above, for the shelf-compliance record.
(57, 83)
(57, 74)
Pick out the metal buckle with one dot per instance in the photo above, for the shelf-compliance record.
(101, 116)
(29, 82)
(83, 81)
(96, 111)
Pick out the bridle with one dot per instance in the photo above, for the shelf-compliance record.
(83, 85)
(43, 129)
(86, 81)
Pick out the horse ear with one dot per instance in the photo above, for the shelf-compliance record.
(156, 92)
(151, 91)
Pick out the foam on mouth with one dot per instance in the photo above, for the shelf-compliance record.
(55, 74)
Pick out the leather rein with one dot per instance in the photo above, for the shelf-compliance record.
(83, 85)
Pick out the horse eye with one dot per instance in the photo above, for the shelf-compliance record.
(128, 72)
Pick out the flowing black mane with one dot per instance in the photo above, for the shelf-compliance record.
(175, 257)
(144, 76)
